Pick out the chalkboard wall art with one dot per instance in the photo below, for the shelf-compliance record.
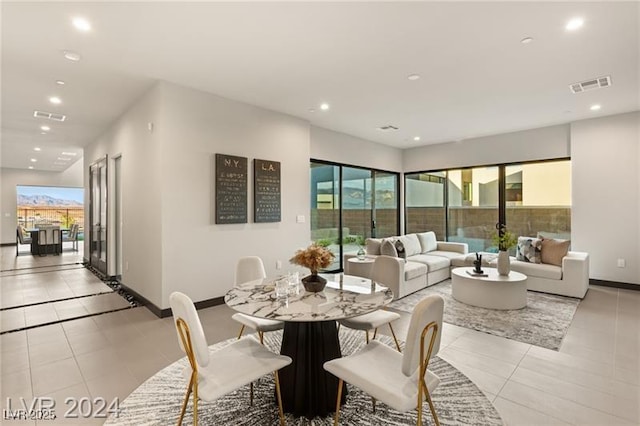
(231, 189)
(266, 191)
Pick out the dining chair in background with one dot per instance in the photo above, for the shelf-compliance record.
(21, 238)
(251, 268)
(400, 380)
(217, 373)
(49, 236)
(72, 236)
(374, 320)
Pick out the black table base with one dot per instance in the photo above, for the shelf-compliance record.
(307, 389)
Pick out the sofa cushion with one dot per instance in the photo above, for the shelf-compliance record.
(449, 254)
(553, 251)
(427, 241)
(388, 248)
(413, 270)
(488, 259)
(411, 244)
(372, 246)
(540, 270)
(529, 249)
(434, 263)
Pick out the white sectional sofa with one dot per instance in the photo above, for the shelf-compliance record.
(570, 279)
(427, 261)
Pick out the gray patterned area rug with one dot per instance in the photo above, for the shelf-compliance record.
(543, 322)
(158, 400)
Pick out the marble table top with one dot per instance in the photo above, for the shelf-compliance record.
(344, 296)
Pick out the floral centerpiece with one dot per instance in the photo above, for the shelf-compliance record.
(314, 257)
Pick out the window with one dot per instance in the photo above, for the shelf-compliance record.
(464, 205)
(350, 204)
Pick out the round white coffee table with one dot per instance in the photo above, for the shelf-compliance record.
(360, 267)
(493, 291)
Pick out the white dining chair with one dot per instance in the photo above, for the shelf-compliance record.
(213, 374)
(251, 268)
(21, 238)
(400, 380)
(374, 320)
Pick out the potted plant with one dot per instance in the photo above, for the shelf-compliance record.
(504, 240)
(314, 257)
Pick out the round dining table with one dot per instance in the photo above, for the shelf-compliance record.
(310, 335)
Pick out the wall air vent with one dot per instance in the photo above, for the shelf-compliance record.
(388, 128)
(596, 83)
(49, 115)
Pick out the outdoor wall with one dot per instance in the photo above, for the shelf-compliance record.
(9, 178)
(198, 256)
(140, 151)
(605, 163)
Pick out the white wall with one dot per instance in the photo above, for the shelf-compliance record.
(199, 256)
(537, 144)
(141, 192)
(345, 149)
(10, 178)
(606, 192)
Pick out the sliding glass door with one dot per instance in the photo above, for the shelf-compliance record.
(350, 204)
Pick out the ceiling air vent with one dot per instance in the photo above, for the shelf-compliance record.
(388, 128)
(49, 115)
(596, 83)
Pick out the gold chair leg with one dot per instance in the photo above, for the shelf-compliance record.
(394, 337)
(340, 383)
(280, 411)
(366, 332)
(186, 401)
(375, 333)
(261, 334)
(241, 330)
(373, 404)
(195, 402)
(431, 407)
(419, 421)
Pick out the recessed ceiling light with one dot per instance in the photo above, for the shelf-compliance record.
(73, 154)
(33, 160)
(324, 106)
(45, 128)
(64, 158)
(81, 24)
(43, 133)
(55, 100)
(416, 138)
(526, 40)
(413, 77)
(71, 55)
(30, 167)
(60, 82)
(37, 149)
(595, 107)
(574, 24)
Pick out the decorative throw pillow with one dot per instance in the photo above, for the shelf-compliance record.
(372, 245)
(554, 250)
(529, 250)
(387, 248)
(402, 253)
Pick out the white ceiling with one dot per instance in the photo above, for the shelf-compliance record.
(476, 77)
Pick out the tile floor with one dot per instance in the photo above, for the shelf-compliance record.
(593, 380)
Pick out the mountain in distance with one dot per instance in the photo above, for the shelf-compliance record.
(45, 201)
